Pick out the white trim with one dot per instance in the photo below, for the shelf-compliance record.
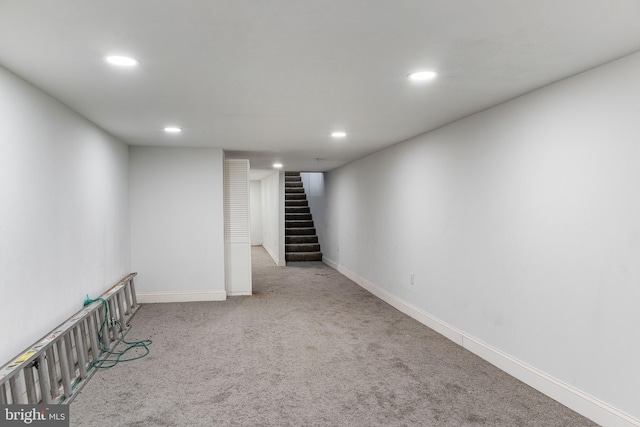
(571, 397)
(279, 263)
(239, 294)
(182, 296)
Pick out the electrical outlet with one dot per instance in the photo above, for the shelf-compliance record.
(412, 279)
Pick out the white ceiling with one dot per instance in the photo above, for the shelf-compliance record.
(269, 80)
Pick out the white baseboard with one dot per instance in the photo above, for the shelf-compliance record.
(159, 297)
(274, 257)
(584, 404)
(239, 294)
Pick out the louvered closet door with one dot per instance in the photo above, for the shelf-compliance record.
(237, 227)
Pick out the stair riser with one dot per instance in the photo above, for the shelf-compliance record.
(294, 190)
(298, 217)
(291, 174)
(293, 184)
(296, 203)
(298, 224)
(295, 196)
(292, 179)
(300, 239)
(309, 247)
(297, 210)
(300, 256)
(299, 231)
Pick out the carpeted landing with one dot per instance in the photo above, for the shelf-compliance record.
(310, 348)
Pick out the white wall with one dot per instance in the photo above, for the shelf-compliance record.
(273, 216)
(177, 228)
(255, 207)
(313, 183)
(521, 225)
(64, 213)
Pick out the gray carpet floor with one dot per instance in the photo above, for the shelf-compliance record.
(309, 348)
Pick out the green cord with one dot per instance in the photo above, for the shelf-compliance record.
(108, 361)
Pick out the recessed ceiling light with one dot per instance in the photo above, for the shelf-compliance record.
(277, 165)
(422, 76)
(339, 134)
(172, 129)
(123, 61)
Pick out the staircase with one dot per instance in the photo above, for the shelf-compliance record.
(301, 241)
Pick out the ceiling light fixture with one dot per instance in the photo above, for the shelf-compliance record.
(338, 134)
(172, 129)
(277, 165)
(422, 76)
(122, 61)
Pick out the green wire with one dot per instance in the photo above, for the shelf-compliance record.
(109, 362)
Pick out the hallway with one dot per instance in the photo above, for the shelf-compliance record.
(309, 348)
